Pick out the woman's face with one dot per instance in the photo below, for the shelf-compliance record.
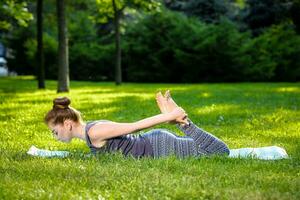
(61, 132)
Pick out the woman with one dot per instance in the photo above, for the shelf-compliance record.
(66, 123)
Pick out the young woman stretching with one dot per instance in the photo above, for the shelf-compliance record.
(66, 123)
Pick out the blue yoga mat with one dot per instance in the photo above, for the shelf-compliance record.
(264, 153)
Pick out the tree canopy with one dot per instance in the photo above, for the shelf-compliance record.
(14, 13)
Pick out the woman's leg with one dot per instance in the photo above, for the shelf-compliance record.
(165, 143)
(207, 143)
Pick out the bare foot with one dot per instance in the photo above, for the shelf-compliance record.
(170, 102)
(171, 105)
(166, 104)
(161, 102)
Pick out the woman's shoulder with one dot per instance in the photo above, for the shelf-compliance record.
(97, 121)
(93, 128)
(90, 124)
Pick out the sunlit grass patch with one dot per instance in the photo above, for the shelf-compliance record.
(241, 114)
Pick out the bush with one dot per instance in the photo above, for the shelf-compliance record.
(169, 47)
(210, 53)
(91, 61)
(50, 56)
(274, 55)
(284, 47)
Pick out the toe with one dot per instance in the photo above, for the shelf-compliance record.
(167, 94)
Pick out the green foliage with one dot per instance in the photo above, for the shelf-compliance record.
(82, 31)
(243, 115)
(167, 43)
(295, 15)
(162, 46)
(210, 11)
(14, 12)
(211, 52)
(80, 26)
(260, 14)
(273, 55)
(284, 47)
(106, 11)
(199, 51)
(20, 62)
(50, 46)
(91, 61)
(147, 50)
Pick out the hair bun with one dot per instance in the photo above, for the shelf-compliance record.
(61, 102)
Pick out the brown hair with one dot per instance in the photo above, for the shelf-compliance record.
(62, 111)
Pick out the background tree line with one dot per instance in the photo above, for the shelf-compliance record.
(179, 41)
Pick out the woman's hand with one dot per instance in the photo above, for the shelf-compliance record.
(178, 114)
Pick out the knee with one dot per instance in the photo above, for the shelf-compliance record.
(222, 149)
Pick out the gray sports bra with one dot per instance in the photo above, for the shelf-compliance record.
(135, 145)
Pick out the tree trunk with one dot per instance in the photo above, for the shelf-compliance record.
(63, 57)
(40, 52)
(118, 67)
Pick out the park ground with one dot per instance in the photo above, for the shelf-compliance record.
(241, 114)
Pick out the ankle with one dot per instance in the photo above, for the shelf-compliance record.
(184, 124)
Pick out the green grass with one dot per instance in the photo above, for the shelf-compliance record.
(243, 115)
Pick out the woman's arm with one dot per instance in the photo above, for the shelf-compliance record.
(108, 130)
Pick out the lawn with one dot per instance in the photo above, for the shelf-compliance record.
(241, 114)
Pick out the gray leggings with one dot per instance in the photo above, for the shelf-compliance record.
(197, 142)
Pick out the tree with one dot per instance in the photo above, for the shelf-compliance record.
(117, 16)
(176, 5)
(295, 15)
(63, 58)
(114, 10)
(40, 52)
(260, 14)
(209, 11)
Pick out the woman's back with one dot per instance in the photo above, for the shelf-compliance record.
(131, 144)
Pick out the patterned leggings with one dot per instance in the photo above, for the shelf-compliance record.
(197, 142)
